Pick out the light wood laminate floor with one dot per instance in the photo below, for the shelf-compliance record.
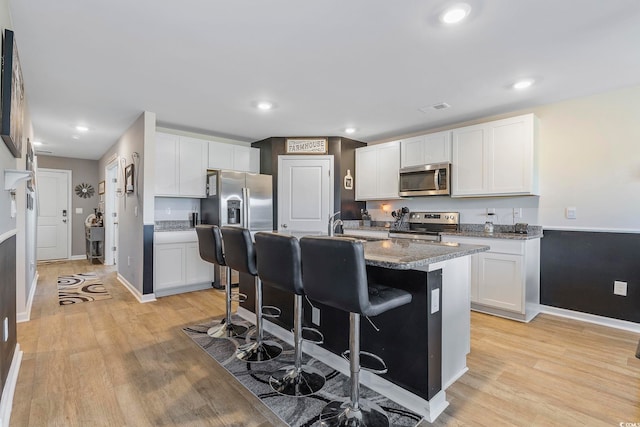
(117, 362)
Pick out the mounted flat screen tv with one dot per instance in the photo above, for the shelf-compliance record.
(11, 96)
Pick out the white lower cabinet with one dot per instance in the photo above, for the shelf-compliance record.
(505, 280)
(177, 266)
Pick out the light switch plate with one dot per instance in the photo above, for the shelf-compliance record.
(315, 316)
(79, 210)
(570, 213)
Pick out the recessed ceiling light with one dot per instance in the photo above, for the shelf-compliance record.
(350, 130)
(455, 13)
(37, 143)
(522, 84)
(264, 105)
(81, 128)
(75, 137)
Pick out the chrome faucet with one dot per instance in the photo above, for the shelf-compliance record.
(333, 223)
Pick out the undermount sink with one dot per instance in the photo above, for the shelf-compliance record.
(364, 239)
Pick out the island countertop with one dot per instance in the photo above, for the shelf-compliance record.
(407, 254)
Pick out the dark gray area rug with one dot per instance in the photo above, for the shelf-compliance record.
(295, 411)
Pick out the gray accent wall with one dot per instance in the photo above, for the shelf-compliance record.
(131, 207)
(82, 171)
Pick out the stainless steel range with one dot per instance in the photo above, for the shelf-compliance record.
(428, 225)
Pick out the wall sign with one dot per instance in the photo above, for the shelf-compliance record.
(306, 146)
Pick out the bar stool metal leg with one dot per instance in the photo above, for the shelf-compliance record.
(356, 411)
(227, 328)
(261, 350)
(297, 380)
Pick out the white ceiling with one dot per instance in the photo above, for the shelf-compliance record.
(201, 65)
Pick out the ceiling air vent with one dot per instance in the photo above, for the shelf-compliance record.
(438, 106)
(43, 152)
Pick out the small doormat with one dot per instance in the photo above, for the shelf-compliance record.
(295, 411)
(81, 287)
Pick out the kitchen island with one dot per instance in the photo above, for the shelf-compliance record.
(424, 343)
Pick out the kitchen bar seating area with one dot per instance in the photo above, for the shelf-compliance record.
(408, 283)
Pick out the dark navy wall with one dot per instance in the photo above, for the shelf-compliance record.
(577, 271)
(7, 305)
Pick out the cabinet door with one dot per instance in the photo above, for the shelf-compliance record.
(366, 171)
(412, 152)
(193, 168)
(197, 270)
(388, 156)
(254, 160)
(166, 180)
(169, 265)
(470, 147)
(241, 158)
(511, 157)
(220, 155)
(437, 147)
(500, 281)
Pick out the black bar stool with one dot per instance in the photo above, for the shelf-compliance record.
(210, 246)
(240, 255)
(335, 274)
(279, 266)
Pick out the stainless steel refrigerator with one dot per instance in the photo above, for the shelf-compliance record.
(238, 199)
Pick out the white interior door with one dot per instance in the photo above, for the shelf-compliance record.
(54, 218)
(111, 214)
(305, 193)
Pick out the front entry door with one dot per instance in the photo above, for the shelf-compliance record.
(54, 217)
(305, 193)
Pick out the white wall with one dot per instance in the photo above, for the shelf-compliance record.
(589, 158)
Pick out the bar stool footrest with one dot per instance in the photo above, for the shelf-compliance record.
(369, 362)
(312, 335)
(238, 297)
(271, 311)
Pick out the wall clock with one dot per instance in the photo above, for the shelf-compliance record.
(84, 190)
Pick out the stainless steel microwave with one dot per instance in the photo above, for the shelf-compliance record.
(426, 180)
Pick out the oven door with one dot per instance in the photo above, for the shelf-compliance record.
(426, 180)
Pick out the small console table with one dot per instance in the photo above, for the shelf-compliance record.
(94, 243)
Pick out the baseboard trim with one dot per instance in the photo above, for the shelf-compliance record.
(429, 409)
(182, 289)
(77, 257)
(136, 293)
(26, 315)
(591, 318)
(10, 387)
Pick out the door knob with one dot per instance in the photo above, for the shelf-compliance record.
(283, 225)
(64, 220)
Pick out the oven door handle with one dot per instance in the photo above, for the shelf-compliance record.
(436, 179)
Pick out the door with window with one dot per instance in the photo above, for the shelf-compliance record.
(305, 193)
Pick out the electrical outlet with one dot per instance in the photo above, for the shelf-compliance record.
(129, 261)
(435, 300)
(620, 288)
(570, 213)
(517, 212)
(315, 316)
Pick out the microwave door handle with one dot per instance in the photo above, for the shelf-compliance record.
(436, 179)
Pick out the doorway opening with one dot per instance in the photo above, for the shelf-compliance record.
(111, 213)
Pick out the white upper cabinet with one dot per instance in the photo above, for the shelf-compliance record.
(233, 157)
(181, 166)
(377, 169)
(495, 158)
(426, 149)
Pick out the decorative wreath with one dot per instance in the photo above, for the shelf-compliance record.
(85, 190)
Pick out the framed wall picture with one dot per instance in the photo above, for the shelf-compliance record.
(101, 187)
(306, 146)
(128, 178)
(12, 100)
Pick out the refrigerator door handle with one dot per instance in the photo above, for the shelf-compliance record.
(247, 207)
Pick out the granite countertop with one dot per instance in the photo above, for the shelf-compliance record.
(470, 230)
(407, 254)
